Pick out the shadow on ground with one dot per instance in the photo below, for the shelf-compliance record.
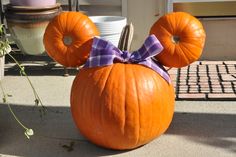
(36, 66)
(56, 135)
(215, 130)
(40, 70)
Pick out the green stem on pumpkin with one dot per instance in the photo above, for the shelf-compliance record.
(126, 37)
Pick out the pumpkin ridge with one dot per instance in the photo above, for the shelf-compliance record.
(74, 19)
(180, 32)
(79, 24)
(161, 129)
(169, 19)
(166, 31)
(157, 83)
(67, 20)
(104, 73)
(166, 24)
(102, 93)
(169, 47)
(125, 105)
(197, 44)
(85, 23)
(138, 103)
(190, 37)
(70, 19)
(186, 25)
(59, 23)
(68, 24)
(159, 87)
(72, 29)
(193, 55)
(184, 55)
(77, 19)
(82, 24)
(54, 29)
(110, 77)
(193, 34)
(178, 25)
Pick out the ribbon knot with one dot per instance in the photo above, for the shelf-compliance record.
(104, 53)
(126, 57)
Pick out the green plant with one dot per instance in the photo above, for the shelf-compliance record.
(5, 49)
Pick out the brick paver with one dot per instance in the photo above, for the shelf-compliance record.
(206, 80)
(192, 96)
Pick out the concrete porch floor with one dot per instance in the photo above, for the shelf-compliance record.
(198, 129)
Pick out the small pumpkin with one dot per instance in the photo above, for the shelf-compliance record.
(182, 37)
(68, 38)
(121, 106)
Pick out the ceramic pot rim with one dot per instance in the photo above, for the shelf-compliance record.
(32, 3)
(31, 17)
(31, 9)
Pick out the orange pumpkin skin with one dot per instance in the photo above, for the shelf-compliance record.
(121, 106)
(79, 29)
(182, 37)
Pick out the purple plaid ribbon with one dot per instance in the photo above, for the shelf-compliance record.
(105, 53)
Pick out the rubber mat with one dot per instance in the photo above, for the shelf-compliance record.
(205, 80)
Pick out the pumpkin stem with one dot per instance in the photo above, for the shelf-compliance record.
(67, 40)
(126, 37)
(175, 39)
(169, 68)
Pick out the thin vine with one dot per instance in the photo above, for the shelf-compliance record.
(5, 48)
(28, 132)
(37, 100)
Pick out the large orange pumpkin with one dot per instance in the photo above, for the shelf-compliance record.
(68, 38)
(121, 106)
(182, 37)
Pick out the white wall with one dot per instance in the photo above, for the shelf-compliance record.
(220, 39)
(143, 14)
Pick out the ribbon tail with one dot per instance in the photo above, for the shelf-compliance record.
(149, 49)
(157, 68)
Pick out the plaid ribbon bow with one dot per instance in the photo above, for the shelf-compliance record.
(104, 53)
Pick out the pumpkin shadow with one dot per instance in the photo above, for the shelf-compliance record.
(54, 134)
(216, 130)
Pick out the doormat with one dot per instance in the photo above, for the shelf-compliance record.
(205, 80)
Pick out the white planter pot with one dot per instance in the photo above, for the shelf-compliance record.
(110, 27)
(27, 28)
(2, 62)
